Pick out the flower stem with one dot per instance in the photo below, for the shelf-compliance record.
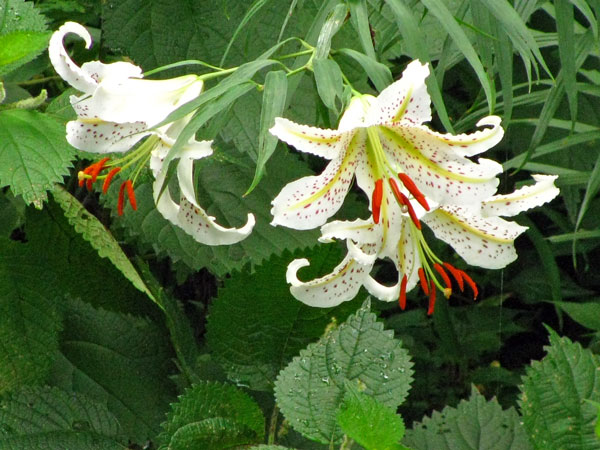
(346, 443)
(273, 425)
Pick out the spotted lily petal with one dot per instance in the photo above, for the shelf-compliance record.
(522, 199)
(308, 202)
(318, 141)
(406, 99)
(341, 285)
(104, 137)
(481, 241)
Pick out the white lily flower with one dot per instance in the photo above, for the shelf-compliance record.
(117, 110)
(477, 233)
(384, 139)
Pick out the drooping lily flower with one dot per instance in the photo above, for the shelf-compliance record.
(477, 233)
(382, 141)
(119, 108)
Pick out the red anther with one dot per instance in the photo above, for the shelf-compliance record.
(377, 198)
(443, 274)
(471, 283)
(456, 274)
(109, 178)
(413, 189)
(423, 280)
(94, 171)
(131, 194)
(411, 211)
(396, 191)
(121, 200)
(431, 298)
(402, 299)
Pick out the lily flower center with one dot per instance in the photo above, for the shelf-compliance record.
(432, 270)
(384, 170)
(137, 158)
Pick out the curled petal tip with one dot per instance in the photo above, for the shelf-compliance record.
(292, 270)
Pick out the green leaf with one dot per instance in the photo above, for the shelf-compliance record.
(20, 47)
(475, 424)
(276, 326)
(332, 25)
(49, 418)
(211, 411)
(220, 189)
(359, 16)
(553, 396)
(20, 15)
(379, 73)
(311, 388)
(565, 23)
(273, 104)
(585, 313)
(120, 360)
(34, 154)
(370, 423)
(29, 317)
(328, 78)
(99, 237)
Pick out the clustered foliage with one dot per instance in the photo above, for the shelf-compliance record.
(121, 331)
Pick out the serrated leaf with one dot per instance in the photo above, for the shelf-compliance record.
(20, 15)
(553, 396)
(34, 154)
(370, 423)
(220, 189)
(475, 424)
(99, 237)
(120, 360)
(210, 411)
(311, 388)
(29, 317)
(49, 418)
(276, 326)
(19, 47)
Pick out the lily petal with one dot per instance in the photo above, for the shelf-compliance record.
(406, 255)
(481, 241)
(440, 173)
(308, 202)
(522, 199)
(360, 231)
(380, 291)
(118, 70)
(104, 137)
(317, 141)
(137, 100)
(405, 99)
(341, 285)
(64, 65)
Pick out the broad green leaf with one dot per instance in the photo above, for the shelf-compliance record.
(332, 25)
(273, 104)
(276, 326)
(220, 189)
(475, 424)
(20, 15)
(269, 447)
(34, 154)
(208, 411)
(328, 78)
(553, 396)
(49, 418)
(311, 388)
(585, 313)
(19, 47)
(379, 73)
(370, 423)
(12, 213)
(120, 360)
(99, 237)
(29, 317)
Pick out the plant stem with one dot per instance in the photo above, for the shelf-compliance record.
(273, 425)
(346, 443)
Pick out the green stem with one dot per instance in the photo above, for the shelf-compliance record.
(346, 443)
(273, 425)
(37, 81)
